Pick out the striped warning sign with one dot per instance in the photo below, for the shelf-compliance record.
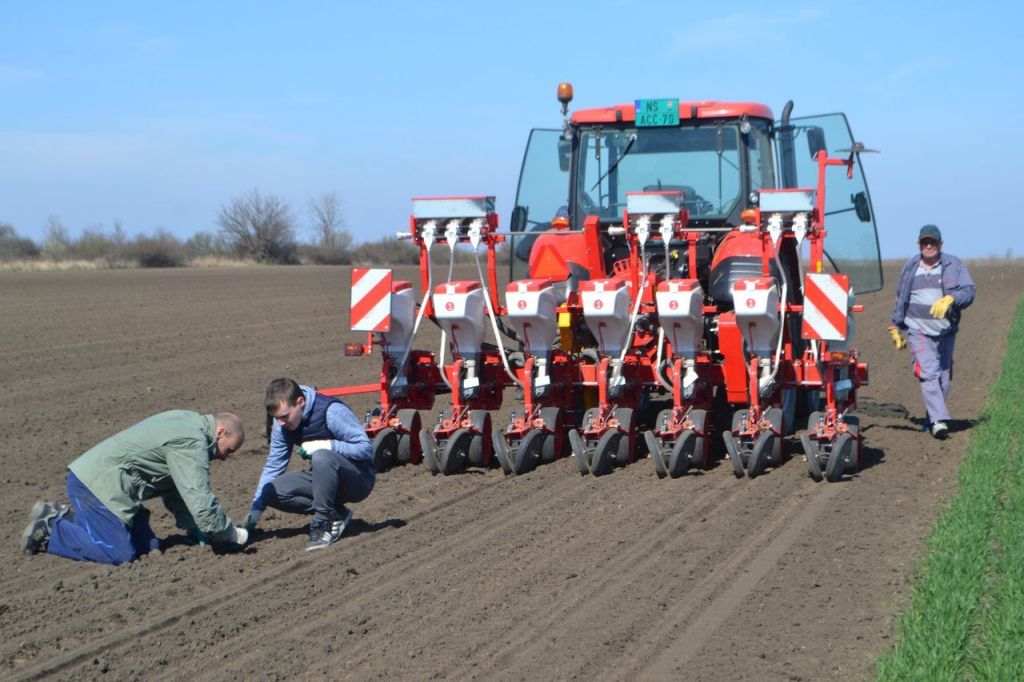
(371, 300)
(826, 299)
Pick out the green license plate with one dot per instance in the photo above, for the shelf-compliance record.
(651, 113)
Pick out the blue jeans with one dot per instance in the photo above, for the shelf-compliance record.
(331, 481)
(96, 534)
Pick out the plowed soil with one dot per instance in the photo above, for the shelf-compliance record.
(475, 576)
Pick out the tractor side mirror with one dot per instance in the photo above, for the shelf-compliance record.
(861, 206)
(564, 154)
(816, 141)
(518, 221)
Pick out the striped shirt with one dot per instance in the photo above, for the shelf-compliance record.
(925, 290)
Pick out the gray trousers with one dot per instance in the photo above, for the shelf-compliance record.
(331, 481)
(933, 365)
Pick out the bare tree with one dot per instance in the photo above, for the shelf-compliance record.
(259, 227)
(328, 222)
(56, 242)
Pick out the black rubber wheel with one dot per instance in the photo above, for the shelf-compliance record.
(811, 453)
(529, 451)
(385, 449)
(501, 452)
(738, 417)
(580, 452)
(852, 422)
(734, 454)
(654, 447)
(682, 451)
(774, 415)
(812, 422)
(627, 422)
(552, 417)
(838, 458)
(456, 450)
(429, 448)
(605, 452)
(699, 459)
(588, 416)
(481, 420)
(410, 422)
(760, 453)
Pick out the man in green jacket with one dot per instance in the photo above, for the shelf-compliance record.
(168, 456)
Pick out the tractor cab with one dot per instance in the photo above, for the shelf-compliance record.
(717, 156)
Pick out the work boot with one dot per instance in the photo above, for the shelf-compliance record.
(940, 430)
(325, 532)
(40, 524)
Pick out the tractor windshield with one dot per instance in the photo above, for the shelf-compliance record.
(705, 162)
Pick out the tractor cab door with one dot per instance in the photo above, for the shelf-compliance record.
(851, 245)
(542, 195)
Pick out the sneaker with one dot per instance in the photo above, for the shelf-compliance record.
(325, 532)
(940, 430)
(40, 522)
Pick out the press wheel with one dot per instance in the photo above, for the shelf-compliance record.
(408, 437)
(605, 452)
(385, 449)
(501, 449)
(654, 447)
(429, 447)
(579, 449)
(455, 452)
(529, 451)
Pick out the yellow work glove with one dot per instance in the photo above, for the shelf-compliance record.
(941, 307)
(897, 340)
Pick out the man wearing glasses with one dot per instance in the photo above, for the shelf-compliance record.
(933, 288)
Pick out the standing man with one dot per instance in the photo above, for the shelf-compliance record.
(168, 456)
(341, 461)
(933, 288)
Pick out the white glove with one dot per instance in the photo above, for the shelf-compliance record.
(312, 446)
(239, 535)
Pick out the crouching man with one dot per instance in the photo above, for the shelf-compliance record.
(168, 456)
(341, 461)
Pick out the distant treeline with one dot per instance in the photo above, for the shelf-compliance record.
(253, 228)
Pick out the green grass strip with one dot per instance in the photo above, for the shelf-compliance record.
(966, 618)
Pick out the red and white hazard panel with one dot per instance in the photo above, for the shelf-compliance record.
(371, 300)
(826, 302)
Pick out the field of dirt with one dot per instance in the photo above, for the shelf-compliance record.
(476, 576)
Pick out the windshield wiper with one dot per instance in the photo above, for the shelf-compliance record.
(632, 139)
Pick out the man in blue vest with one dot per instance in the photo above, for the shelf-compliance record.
(341, 461)
(933, 288)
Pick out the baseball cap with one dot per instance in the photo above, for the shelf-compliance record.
(930, 232)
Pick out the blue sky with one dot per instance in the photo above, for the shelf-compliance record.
(157, 117)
